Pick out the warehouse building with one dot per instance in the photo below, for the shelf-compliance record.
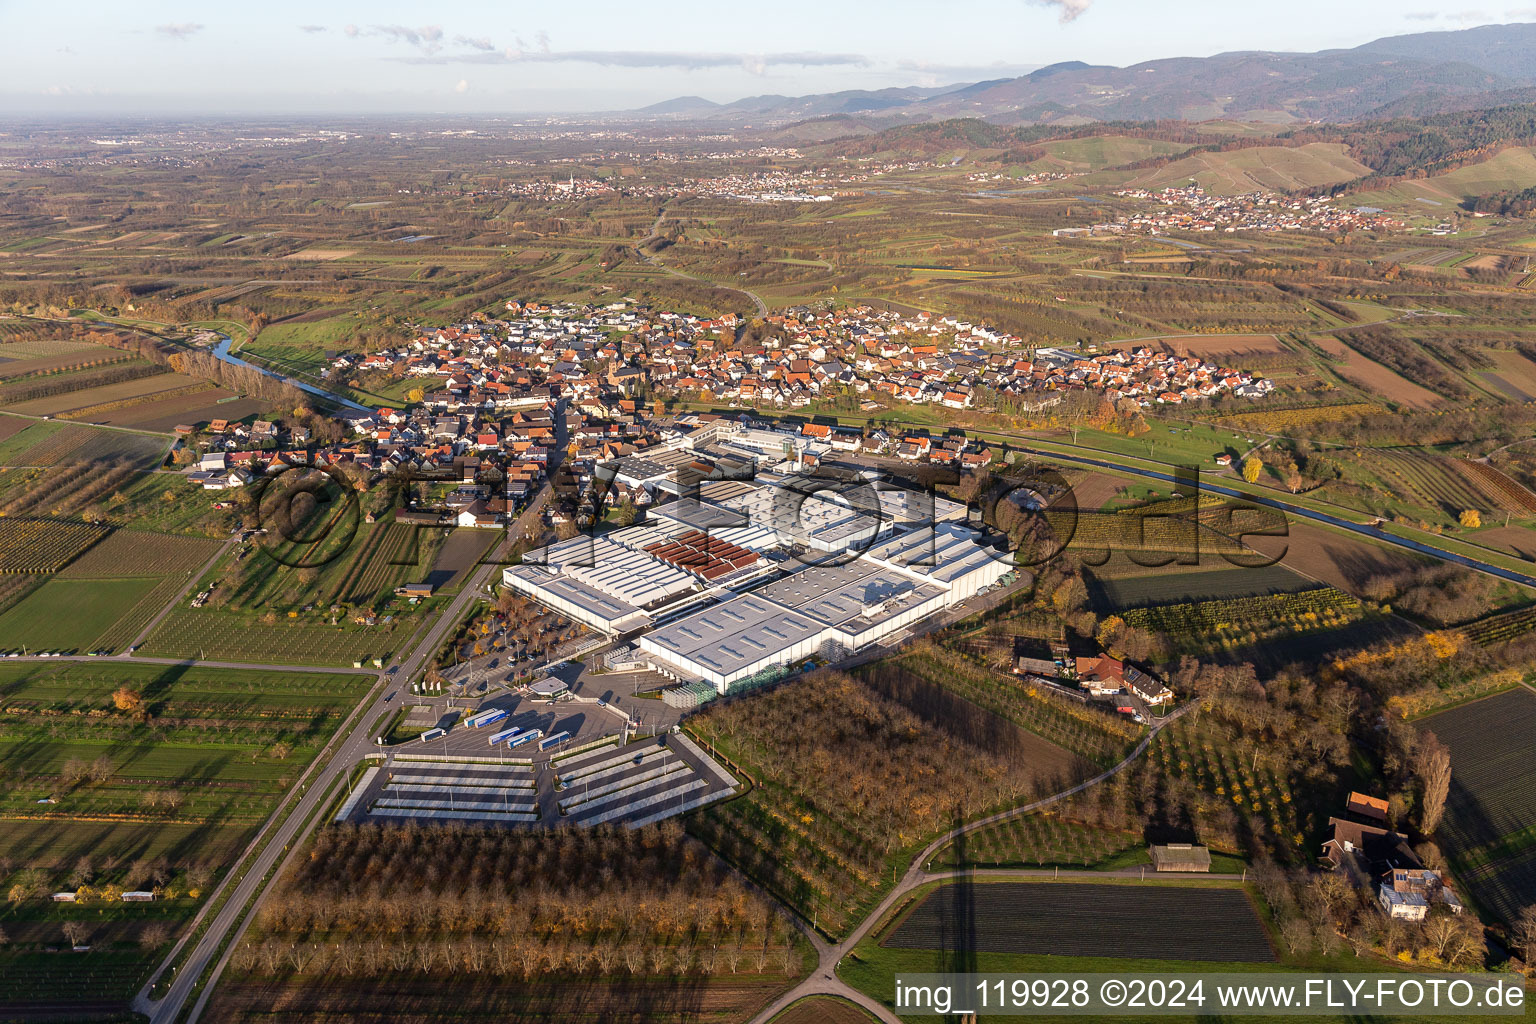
(826, 611)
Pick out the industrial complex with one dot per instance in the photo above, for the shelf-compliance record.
(741, 578)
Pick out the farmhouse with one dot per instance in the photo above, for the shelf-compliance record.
(1408, 893)
(1101, 676)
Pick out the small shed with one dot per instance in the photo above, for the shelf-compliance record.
(414, 590)
(549, 689)
(1181, 857)
(138, 896)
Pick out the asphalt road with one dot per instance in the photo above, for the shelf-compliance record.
(1373, 532)
(757, 300)
(824, 980)
(296, 818)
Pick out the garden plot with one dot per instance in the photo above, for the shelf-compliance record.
(1152, 922)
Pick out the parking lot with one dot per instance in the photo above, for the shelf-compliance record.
(635, 784)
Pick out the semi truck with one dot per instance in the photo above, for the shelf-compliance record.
(484, 718)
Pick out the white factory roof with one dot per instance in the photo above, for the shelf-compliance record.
(943, 554)
(835, 594)
(634, 577)
(851, 598)
(619, 614)
(822, 519)
(735, 634)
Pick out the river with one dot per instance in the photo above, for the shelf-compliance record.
(221, 351)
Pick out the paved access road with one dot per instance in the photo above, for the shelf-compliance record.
(824, 979)
(1373, 532)
(757, 300)
(297, 816)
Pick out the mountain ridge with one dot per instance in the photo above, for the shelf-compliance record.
(1424, 72)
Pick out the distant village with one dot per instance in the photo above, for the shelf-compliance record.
(1193, 209)
(498, 395)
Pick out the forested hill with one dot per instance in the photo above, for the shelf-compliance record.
(1390, 150)
(1423, 73)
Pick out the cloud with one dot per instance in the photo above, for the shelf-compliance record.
(480, 43)
(1521, 14)
(754, 63)
(426, 38)
(1071, 10)
(1422, 15)
(462, 87)
(312, 28)
(180, 30)
(541, 39)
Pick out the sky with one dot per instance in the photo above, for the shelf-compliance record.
(153, 57)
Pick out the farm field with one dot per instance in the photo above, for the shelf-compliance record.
(1490, 822)
(929, 677)
(48, 444)
(355, 563)
(126, 393)
(168, 797)
(1374, 378)
(135, 553)
(1217, 925)
(1515, 375)
(12, 425)
(43, 546)
(824, 1010)
(1171, 586)
(829, 850)
(22, 358)
(1228, 347)
(1262, 168)
(162, 414)
(413, 997)
(692, 935)
(1043, 840)
(73, 615)
(460, 553)
(1448, 485)
(222, 744)
(1244, 621)
(217, 635)
(1500, 628)
(1340, 559)
(104, 598)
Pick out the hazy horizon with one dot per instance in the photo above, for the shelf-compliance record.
(470, 59)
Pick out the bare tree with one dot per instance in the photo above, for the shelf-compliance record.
(76, 932)
(1524, 934)
(154, 936)
(1296, 934)
(1433, 767)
